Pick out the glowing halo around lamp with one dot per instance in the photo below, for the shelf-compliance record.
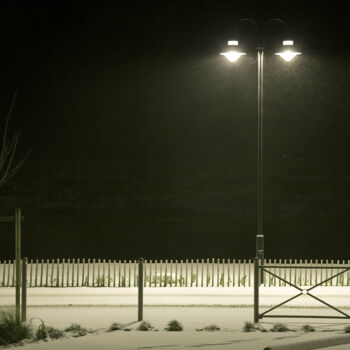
(232, 56)
(289, 54)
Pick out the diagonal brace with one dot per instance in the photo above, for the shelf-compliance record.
(282, 279)
(284, 302)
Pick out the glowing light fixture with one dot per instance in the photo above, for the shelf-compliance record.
(233, 55)
(289, 53)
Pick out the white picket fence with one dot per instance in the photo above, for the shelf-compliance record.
(172, 273)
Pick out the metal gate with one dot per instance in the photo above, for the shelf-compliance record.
(260, 269)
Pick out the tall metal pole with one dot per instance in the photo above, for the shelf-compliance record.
(18, 262)
(256, 290)
(140, 291)
(260, 236)
(24, 289)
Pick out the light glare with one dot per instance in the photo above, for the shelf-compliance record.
(232, 43)
(232, 56)
(288, 55)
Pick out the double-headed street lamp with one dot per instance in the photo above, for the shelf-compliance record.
(233, 54)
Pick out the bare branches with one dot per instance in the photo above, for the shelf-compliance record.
(8, 168)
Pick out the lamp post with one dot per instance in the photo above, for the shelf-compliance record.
(233, 55)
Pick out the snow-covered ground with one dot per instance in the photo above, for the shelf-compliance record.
(195, 308)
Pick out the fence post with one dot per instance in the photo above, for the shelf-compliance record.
(24, 289)
(18, 262)
(256, 290)
(140, 292)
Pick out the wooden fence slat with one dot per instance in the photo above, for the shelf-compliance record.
(239, 272)
(244, 273)
(124, 273)
(58, 273)
(279, 272)
(155, 273)
(3, 273)
(78, 268)
(8, 273)
(68, 266)
(212, 272)
(217, 272)
(160, 272)
(30, 275)
(36, 273)
(191, 273)
(233, 272)
(83, 272)
(331, 281)
(52, 270)
(104, 272)
(93, 271)
(176, 263)
(181, 274)
(150, 273)
(223, 273)
(119, 272)
(62, 275)
(114, 272)
(171, 274)
(73, 269)
(337, 271)
(316, 271)
(109, 273)
(129, 267)
(249, 272)
(13, 273)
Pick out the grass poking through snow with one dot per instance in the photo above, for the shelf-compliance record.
(144, 326)
(307, 328)
(249, 327)
(76, 330)
(174, 326)
(279, 327)
(12, 332)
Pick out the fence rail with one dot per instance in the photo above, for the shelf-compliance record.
(171, 273)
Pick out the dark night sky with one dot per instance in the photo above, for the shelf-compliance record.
(144, 139)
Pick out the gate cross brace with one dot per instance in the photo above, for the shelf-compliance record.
(303, 292)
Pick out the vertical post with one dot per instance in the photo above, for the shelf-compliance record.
(18, 262)
(260, 236)
(24, 289)
(140, 292)
(256, 289)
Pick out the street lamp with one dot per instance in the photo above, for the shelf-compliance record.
(233, 54)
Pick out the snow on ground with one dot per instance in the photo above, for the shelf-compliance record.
(195, 308)
(224, 296)
(176, 340)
